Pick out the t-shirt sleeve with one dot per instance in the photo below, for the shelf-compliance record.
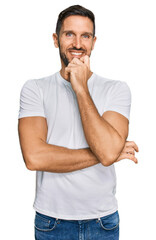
(31, 103)
(119, 99)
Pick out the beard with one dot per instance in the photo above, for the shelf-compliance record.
(64, 57)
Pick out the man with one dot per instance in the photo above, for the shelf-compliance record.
(73, 127)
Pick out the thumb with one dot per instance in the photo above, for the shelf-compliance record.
(86, 60)
(67, 73)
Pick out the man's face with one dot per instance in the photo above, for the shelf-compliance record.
(75, 39)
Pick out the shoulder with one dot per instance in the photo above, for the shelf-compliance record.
(39, 83)
(110, 86)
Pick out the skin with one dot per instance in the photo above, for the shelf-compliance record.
(106, 135)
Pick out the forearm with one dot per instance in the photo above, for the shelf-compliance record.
(103, 139)
(53, 158)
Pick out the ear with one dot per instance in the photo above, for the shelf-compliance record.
(94, 40)
(55, 38)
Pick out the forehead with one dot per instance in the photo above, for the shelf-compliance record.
(77, 23)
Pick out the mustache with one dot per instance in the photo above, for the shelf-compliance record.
(74, 48)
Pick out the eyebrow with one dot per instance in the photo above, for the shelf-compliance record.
(67, 31)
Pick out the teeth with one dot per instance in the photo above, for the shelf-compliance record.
(74, 53)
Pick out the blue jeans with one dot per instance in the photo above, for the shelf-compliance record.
(104, 228)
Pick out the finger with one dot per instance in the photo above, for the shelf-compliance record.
(70, 68)
(86, 60)
(132, 144)
(129, 150)
(132, 157)
(72, 65)
(127, 156)
(76, 61)
(67, 72)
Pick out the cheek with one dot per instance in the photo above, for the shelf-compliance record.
(65, 42)
(90, 48)
(64, 47)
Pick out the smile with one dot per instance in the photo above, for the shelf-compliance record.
(76, 54)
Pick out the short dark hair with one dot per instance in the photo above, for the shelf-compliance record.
(71, 11)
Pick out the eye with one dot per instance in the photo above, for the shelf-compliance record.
(86, 36)
(69, 34)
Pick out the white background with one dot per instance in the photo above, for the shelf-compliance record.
(125, 50)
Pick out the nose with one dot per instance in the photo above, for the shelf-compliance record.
(77, 42)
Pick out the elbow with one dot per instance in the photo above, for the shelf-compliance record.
(108, 158)
(107, 161)
(106, 164)
(29, 163)
(30, 166)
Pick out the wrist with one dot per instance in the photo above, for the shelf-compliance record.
(82, 91)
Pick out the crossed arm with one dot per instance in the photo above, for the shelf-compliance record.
(41, 156)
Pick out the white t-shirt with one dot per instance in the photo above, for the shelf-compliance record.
(83, 194)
